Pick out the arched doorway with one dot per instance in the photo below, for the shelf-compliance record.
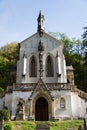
(41, 109)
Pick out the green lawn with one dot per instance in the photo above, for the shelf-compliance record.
(54, 125)
(63, 125)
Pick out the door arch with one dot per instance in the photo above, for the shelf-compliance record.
(41, 109)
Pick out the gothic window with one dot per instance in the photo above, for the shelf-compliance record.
(49, 67)
(62, 103)
(33, 67)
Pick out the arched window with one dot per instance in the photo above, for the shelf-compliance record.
(49, 67)
(62, 103)
(33, 67)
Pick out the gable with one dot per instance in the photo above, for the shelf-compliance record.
(41, 87)
(48, 41)
(51, 45)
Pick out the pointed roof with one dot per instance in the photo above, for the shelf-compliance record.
(40, 15)
(40, 20)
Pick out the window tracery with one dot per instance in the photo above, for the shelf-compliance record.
(49, 67)
(33, 67)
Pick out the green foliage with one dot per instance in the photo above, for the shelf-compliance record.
(8, 57)
(22, 125)
(9, 53)
(8, 126)
(5, 114)
(63, 125)
(1, 90)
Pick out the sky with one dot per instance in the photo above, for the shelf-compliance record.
(18, 18)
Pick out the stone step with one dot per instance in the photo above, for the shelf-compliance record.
(42, 127)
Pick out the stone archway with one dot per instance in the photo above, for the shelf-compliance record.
(32, 104)
(41, 109)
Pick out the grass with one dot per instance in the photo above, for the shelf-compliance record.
(22, 125)
(54, 125)
(8, 125)
(63, 125)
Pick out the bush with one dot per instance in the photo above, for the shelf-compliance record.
(8, 127)
(5, 114)
(1, 90)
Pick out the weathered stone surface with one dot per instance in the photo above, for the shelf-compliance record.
(42, 127)
(69, 129)
(20, 116)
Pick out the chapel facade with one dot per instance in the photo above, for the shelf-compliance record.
(44, 88)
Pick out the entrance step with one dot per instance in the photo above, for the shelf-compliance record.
(42, 127)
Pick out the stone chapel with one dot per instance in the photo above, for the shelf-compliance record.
(44, 88)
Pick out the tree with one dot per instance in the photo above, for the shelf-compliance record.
(72, 47)
(8, 58)
(84, 37)
(10, 53)
(74, 55)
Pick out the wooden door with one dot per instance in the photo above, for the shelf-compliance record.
(41, 110)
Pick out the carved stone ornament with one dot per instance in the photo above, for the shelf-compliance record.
(41, 86)
(40, 47)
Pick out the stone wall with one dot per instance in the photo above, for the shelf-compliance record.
(75, 107)
(66, 111)
(79, 105)
(8, 102)
(25, 95)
